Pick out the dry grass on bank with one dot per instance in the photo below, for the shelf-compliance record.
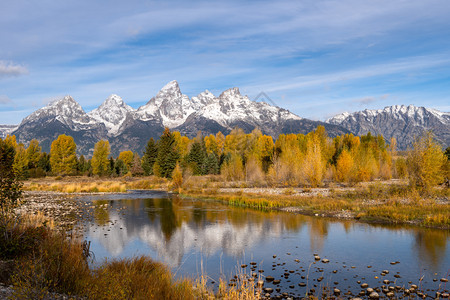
(387, 203)
(95, 185)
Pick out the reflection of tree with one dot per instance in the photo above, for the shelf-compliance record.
(431, 245)
(318, 231)
(168, 219)
(198, 214)
(149, 204)
(101, 213)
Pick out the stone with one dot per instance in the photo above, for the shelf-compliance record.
(374, 295)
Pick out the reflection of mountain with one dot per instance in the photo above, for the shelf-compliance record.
(171, 230)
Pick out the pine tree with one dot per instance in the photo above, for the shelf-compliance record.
(100, 160)
(167, 155)
(149, 158)
(82, 165)
(63, 158)
(120, 167)
(197, 158)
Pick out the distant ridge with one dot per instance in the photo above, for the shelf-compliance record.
(398, 121)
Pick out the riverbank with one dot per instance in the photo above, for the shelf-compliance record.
(392, 202)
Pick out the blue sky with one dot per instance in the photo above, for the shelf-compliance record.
(315, 58)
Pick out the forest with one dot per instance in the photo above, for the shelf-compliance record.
(291, 160)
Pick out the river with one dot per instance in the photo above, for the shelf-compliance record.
(206, 238)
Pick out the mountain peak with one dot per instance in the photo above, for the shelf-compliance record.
(230, 93)
(112, 113)
(171, 86)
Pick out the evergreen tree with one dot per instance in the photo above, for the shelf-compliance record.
(212, 164)
(82, 165)
(120, 167)
(197, 158)
(149, 158)
(111, 167)
(167, 155)
(100, 160)
(63, 158)
(44, 162)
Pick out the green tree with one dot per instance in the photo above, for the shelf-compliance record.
(82, 165)
(120, 167)
(197, 158)
(10, 185)
(149, 157)
(100, 160)
(425, 162)
(167, 155)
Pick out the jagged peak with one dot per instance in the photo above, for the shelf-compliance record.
(65, 99)
(230, 92)
(171, 86)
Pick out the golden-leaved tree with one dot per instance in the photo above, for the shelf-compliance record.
(426, 162)
(63, 158)
(100, 160)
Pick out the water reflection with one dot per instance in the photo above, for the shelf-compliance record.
(175, 230)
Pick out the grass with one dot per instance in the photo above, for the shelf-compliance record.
(46, 262)
(94, 185)
(394, 203)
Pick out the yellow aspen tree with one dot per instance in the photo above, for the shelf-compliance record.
(63, 158)
(100, 160)
(33, 153)
(20, 164)
(344, 166)
(127, 158)
(220, 140)
(425, 162)
(211, 144)
(10, 140)
(314, 165)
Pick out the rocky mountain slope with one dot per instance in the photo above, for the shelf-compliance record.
(398, 121)
(130, 129)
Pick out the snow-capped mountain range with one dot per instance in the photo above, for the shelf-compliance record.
(398, 121)
(129, 129)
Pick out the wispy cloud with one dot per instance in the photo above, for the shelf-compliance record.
(11, 69)
(5, 100)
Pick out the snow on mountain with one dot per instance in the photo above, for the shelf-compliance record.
(169, 105)
(231, 106)
(112, 112)
(6, 129)
(398, 121)
(130, 129)
(65, 110)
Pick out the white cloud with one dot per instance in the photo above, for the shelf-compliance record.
(10, 69)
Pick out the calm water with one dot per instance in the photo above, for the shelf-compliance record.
(195, 237)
